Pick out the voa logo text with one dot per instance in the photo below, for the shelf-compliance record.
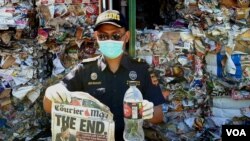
(236, 132)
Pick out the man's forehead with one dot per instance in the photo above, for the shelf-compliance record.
(109, 28)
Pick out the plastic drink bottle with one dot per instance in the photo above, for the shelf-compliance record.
(132, 109)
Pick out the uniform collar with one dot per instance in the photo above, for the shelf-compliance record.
(101, 63)
(125, 62)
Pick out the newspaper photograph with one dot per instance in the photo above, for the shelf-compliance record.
(83, 119)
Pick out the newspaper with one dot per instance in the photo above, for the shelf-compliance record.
(83, 119)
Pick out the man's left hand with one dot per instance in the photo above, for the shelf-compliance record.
(148, 109)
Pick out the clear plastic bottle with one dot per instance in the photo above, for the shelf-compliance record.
(132, 109)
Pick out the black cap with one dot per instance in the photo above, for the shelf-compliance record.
(113, 17)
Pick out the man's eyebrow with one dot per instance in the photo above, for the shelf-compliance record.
(115, 31)
(102, 32)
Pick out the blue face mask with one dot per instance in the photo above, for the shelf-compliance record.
(110, 48)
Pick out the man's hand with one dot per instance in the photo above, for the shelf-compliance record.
(148, 109)
(58, 93)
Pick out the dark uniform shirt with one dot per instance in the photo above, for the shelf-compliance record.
(94, 77)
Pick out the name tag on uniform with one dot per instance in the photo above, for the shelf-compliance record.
(94, 83)
(138, 83)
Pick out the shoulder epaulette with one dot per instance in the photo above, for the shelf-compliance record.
(91, 59)
(139, 60)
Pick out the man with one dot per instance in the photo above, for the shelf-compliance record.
(65, 135)
(105, 77)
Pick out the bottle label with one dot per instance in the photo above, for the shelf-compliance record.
(132, 110)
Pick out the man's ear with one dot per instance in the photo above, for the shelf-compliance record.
(127, 36)
(95, 34)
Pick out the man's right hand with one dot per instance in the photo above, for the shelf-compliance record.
(58, 93)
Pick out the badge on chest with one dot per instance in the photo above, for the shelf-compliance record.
(93, 78)
(133, 76)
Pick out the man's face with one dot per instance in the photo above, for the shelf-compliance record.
(111, 32)
(66, 134)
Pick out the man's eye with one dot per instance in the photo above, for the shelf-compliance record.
(116, 36)
(103, 37)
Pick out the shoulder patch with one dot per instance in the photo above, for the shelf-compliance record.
(91, 59)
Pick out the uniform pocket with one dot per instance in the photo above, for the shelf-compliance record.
(97, 92)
